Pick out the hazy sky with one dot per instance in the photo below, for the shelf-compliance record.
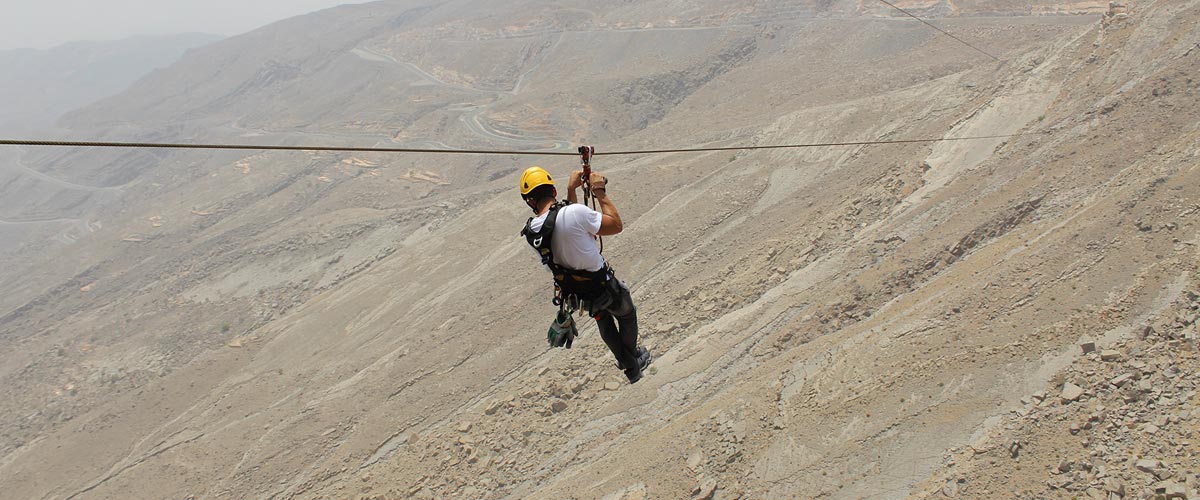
(47, 23)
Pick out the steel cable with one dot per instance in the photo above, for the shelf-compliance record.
(349, 149)
(944, 32)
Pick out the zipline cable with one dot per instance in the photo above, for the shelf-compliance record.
(927, 23)
(152, 145)
(253, 147)
(814, 145)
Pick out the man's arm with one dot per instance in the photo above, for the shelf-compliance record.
(610, 222)
(573, 184)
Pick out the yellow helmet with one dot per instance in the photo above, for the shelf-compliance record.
(534, 177)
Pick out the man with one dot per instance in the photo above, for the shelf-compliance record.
(568, 248)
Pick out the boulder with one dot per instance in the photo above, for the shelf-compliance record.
(1121, 379)
(1171, 490)
(1150, 466)
(706, 490)
(1071, 392)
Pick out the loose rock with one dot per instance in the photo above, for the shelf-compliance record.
(1148, 465)
(1071, 392)
(706, 490)
(1120, 380)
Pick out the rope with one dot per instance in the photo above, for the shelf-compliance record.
(153, 145)
(814, 145)
(585, 157)
(964, 42)
(149, 145)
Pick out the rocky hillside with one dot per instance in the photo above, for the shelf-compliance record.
(1115, 423)
(948, 8)
(870, 322)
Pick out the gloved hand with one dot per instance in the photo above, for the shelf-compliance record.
(562, 331)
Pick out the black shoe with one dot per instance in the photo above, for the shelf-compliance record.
(641, 351)
(643, 362)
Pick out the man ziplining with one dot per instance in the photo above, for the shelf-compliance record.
(564, 234)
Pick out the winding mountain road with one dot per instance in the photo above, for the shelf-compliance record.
(15, 164)
(79, 227)
(373, 56)
(12, 163)
(470, 117)
(36, 221)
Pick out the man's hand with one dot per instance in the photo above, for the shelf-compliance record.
(573, 184)
(598, 182)
(610, 222)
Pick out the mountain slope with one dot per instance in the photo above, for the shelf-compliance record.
(828, 322)
(42, 85)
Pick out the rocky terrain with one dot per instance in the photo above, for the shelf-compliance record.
(1116, 423)
(878, 321)
(40, 86)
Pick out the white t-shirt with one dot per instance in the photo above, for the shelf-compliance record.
(574, 244)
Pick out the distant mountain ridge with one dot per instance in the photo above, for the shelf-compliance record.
(252, 78)
(41, 85)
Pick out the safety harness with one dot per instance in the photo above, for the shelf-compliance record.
(574, 289)
(583, 285)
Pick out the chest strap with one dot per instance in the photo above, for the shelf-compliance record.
(572, 281)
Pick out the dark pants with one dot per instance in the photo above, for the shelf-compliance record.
(618, 325)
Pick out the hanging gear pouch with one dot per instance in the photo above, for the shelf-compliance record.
(562, 331)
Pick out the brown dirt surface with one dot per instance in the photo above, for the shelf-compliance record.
(881, 321)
